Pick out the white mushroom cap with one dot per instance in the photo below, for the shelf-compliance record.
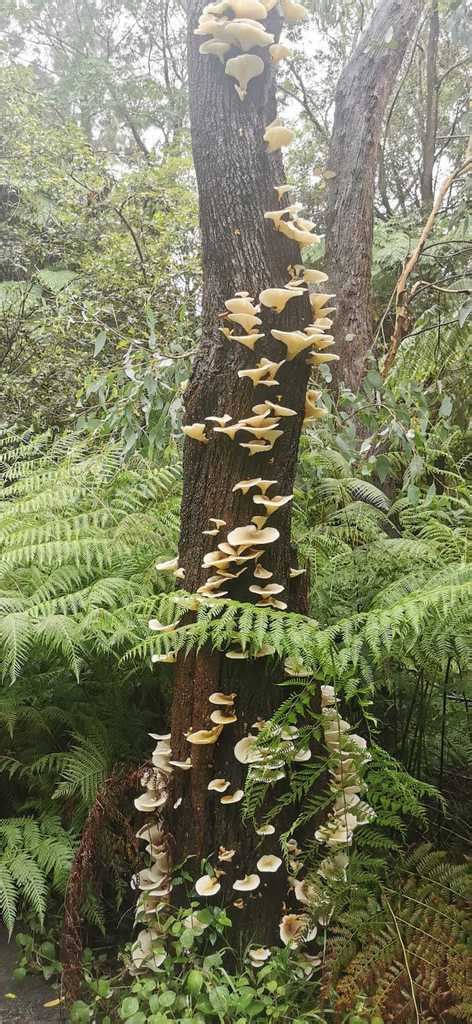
(272, 504)
(277, 135)
(246, 751)
(241, 304)
(207, 886)
(278, 410)
(293, 12)
(233, 798)
(219, 785)
(219, 420)
(244, 68)
(265, 830)
(309, 275)
(269, 863)
(295, 572)
(223, 716)
(259, 956)
(170, 565)
(247, 34)
(245, 9)
(277, 298)
(245, 320)
(291, 930)
(245, 485)
(204, 736)
(225, 855)
(295, 667)
(184, 765)
(146, 802)
(168, 659)
(150, 833)
(248, 340)
(237, 655)
(224, 699)
(295, 342)
(278, 51)
(248, 536)
(215, 47)
(196, 431)
(158, 627)
(268, 590)
(261, 573)
(247, 884)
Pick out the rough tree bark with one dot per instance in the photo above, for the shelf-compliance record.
(361, 98)
(241, 251)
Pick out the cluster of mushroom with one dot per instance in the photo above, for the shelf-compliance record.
(154, 882)
(238, 25)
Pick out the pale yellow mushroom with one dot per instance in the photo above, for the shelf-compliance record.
(168, 566)
(215, 47)
(247, 752)
(167, 659)
(244, 68)
(272, 602)
(147, 803)
(241, 304)
(217, 522)
(261, 573)
(157, 627)
(265, 830)
(278, 410)
(293, 573)
(299, 235)
(263, 432)
(265, 651)
(245, 485)
(230, 431)
(222, 716)
(237, 655)
(306, 225)
(225, 855)
(317, 358)
(185, 766)
(309, 275)
(295, 342)
(247, 536)
(293, 12)
(179, 574)
(277, 135)
(207, 886)
(292, 927)
(253, 9)
(196, 431)
(209, 25)
(248, 340)
(282, 189)
(269, 863)
(245, 320)
(272, 505)
(210, 533)
(218, 785)
(221, 421)
(262, 445)
(277, 298)
(247, 34)
(204, 736)
(222, 699)
(277, 215)
(278, 51)
(320, 340)
(268, 590)
(319, 299)
(259, 956)
(233, 798)
(259, 521)
(264, 373)
(247, 884)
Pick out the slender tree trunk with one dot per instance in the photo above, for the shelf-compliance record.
(361, 98)
(241, 252)
(431, 116)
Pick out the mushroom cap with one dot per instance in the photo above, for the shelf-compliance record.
(309, 275)
(170, 565)
(241, 304)
(158, 627)
(268, 590)
(291, 930)
(223, 717)
(233, 798)
(249, 536)
(150, 833)
(254, 9)
(278, 51)
(319, 299)
(245, 485)
(300, 235)
(265, 830)
(237, 655)
(245, 320)
(244, 68)
(277, 410)
(247, 752)
(277, 135)
(259, 956)
(317, 358)
(207, 886)
(225, 855)
(218, 785)
(215, 47)
(293, 573)
(204, 736)
(272, 504)
(168, 659)
(184, 765)
(277, 298)
(247, 34)
(248, 340)
(260, 573)
(295, 342)
(219, 420)
(224, 699)
(293, 12)
(247, 884)
(269, 863)
(196, 431)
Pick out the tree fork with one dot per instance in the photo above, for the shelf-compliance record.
(241, 252)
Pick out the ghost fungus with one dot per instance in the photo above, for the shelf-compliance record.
(185, 766)
(220, 421)
(291, 930)
(245, 485)
(300, 235)
(295, 342)
(268, 591)
(277, 298)
(283, 189)
(293, 573)
(222, 699)
(265, 830)
(246, 751)
(204, 736)
(207, 886)
(248, 340)
(317, 358)
(294, 667)
(167, 659)
(215, 47)
(278, 51)
(218, 785)
(276, 216)
(259, 956)
(264, 373)
(168, 566)
(247, 536)
(248, 321)
(222, 716)
(225, 855)
(253, 9)
(310, 276)
(293, 12)
(277, 410)
(244, 68)
(313, 411)
(158, 627)
(318, 300)
(277, 135)
(233, 798)
(261, 573)
(196, 431)
(241, 304)
(246, 33)
(269, 863)
(247, 884)
(272, 505)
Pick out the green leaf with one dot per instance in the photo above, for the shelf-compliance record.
(99, 343)
(129, 1006)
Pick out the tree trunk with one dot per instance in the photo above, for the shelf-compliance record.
(241, 252)
(361, 98)
(428, 142)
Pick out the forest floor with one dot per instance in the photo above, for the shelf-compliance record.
(30, 994)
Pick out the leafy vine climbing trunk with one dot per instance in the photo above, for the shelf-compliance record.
(242, 251)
